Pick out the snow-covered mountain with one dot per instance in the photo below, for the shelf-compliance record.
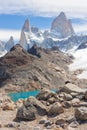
(6, 46)
(61, 34)
(29, 36)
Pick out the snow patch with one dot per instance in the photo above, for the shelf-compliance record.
(3, 53)
(80, 62)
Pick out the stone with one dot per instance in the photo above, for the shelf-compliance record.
(11, 124)
(70, 88)
(86, 95)
(74, 94)
(74, 124)
(55, 109)
(51, 100)
(60, 121)
(66, 104)
(8, 106)
(43, 121)
(75, 102)
(45, 94)
(81, 113)
(67, 97)
(48, 123)
(31, 109)
(70, 119)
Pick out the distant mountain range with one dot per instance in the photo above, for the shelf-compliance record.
(61, 34)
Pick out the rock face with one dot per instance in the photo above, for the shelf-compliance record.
(3, 73)
(62, 26)
(9, 44)
(82, 45)
(25, 35)
(31, 109)
(34, 51)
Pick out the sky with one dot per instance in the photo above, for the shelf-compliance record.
(40, 13)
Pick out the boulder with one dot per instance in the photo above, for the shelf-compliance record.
(60, 121)
(75, 102)
(72, 88)
(86, 95)
(8, 106)
(81, 113)
(55, 109)
(31, 109)
(67, 97)
(45, 94)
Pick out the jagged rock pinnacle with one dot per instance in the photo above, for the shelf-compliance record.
(62, 26)
(26, 26)
(9, 44)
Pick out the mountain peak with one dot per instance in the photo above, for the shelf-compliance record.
(26, 26)
(62, 26)
(62, 15)
(11, 39)
(9, 44)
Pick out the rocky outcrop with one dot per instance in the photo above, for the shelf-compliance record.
(61, 26)
(56, 114)
(3, 73)
(34, 50)
(25, 35)
(82, 45)
(31, 109)
(70, 88)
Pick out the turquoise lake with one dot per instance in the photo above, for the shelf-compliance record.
(23, 95)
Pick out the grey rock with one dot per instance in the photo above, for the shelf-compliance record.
(81, 113)
(55, 109)
(31, 109)
(9, 44)
(62, 26)
(69, 88)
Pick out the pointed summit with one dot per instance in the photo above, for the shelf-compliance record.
(62, 15)
(61, 26)
(26, 26)
(25, 35)
(9, 44)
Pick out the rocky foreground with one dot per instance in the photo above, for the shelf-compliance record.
(62, 110)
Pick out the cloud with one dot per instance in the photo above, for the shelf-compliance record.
(5, 34)
(80, 28)
(44, 7)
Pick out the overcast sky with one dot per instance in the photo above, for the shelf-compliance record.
(35, 8)
(44, 7)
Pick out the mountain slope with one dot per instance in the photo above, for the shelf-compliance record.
(27, 72)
